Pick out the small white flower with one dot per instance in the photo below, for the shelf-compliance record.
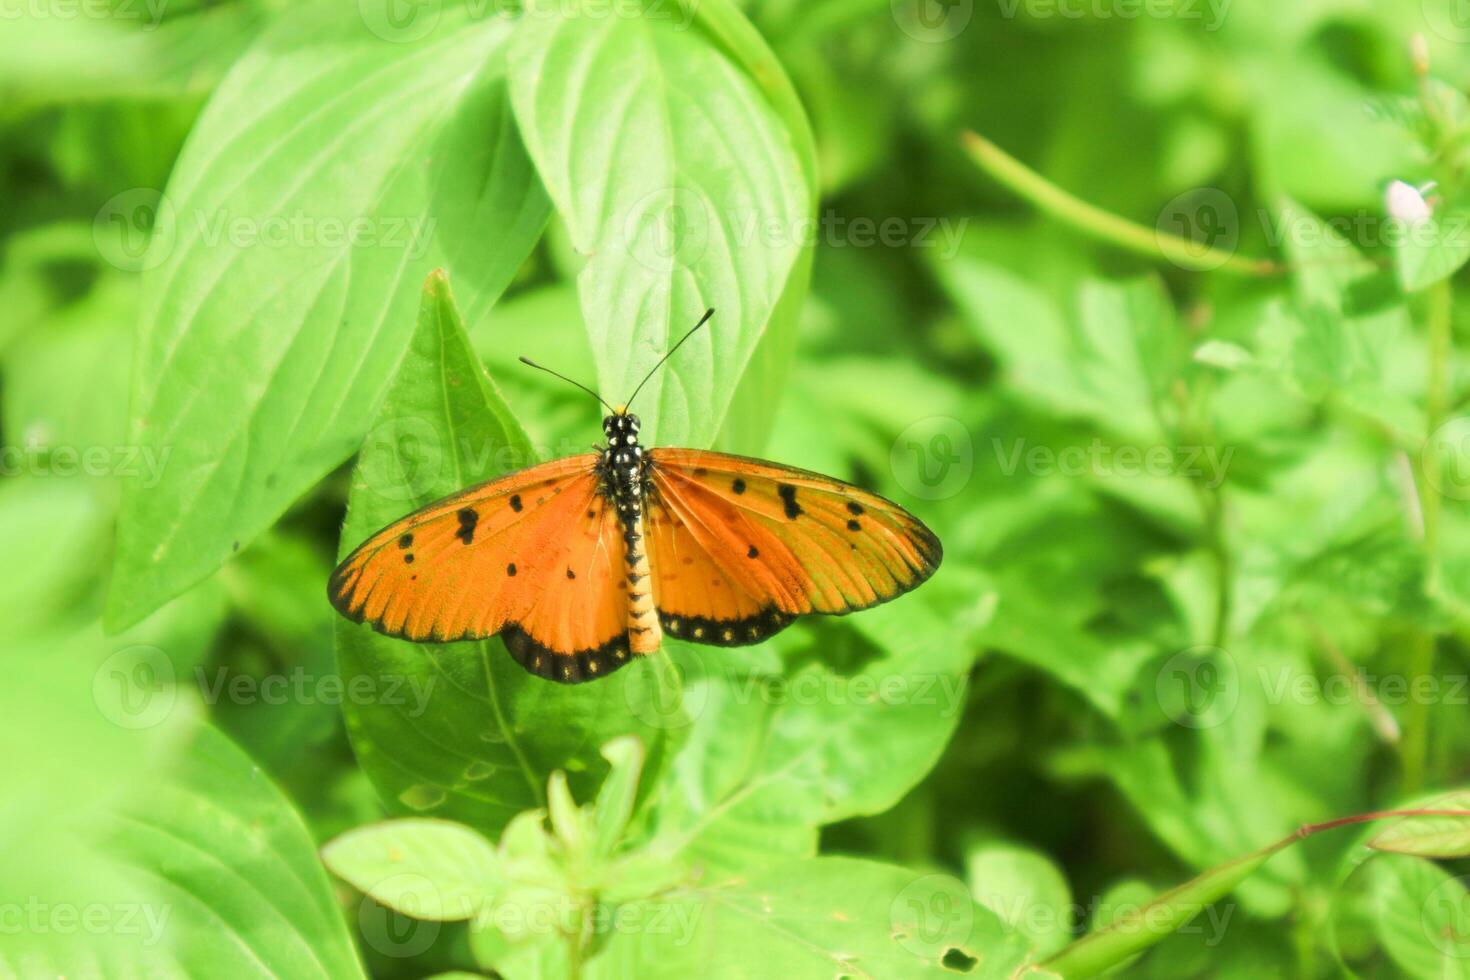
(1406, 202)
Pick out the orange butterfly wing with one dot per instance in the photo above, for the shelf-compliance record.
(740, 547)
(535, 555)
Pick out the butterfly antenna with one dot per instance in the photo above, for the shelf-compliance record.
(542, 367)
(702, 321)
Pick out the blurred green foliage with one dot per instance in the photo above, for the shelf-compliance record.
(1205, 524)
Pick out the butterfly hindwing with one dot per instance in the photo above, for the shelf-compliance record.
(534, 555)
(740, 547)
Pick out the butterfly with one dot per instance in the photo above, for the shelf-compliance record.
(583, 563)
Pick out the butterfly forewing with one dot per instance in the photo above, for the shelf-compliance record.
(534, 554)
(773, 542)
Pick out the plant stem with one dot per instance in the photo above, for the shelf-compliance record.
(1437, 402)
(1420, 663)
(1104, 225)
(575, 949)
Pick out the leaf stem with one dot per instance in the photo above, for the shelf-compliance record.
(1104, 225)
(1437, 402)
(1414, 749)
(575, 944)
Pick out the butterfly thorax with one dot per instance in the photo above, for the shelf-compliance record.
(623, 463)
(623, 474)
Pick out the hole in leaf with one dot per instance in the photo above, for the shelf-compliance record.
(958, 960)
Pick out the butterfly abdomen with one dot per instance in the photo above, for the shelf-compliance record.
(624, 474)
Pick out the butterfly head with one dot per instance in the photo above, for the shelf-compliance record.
(621, 429)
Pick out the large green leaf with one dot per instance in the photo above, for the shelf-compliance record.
(224, 849)
(682, 195)
(775, 750)
(459, 731)
(818, 918)
(332, 170)
(155, 849)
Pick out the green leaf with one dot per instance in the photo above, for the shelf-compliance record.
(1420, 915)
(1367, 359)
(331, 171)
(51, 529)
(1223, 355)
(773, 753)
(466, 734)
(1025, 889)
(618, 793)
(275, 586)
(151, 51)
(993, 299)
(536, 957)
(681, 196)
(1111, 362)
(1432, 249)
(429, 869)
(567, 819)
(1416, 912)
(819, 918)
(66, 388)
(166, 845)
(217, 819)
(1129, 347)
(1431, 837)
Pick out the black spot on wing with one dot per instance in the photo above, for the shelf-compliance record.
(853, 525)
(738, 486)
(515, 502)
(571, 574)
(572, 667)
(787, 493)
(408, 558)
(468, 518)
(406, 541)
(854, 508)
(753, 552)
(511, 569)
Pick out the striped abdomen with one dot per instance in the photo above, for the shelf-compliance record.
(644, 632)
